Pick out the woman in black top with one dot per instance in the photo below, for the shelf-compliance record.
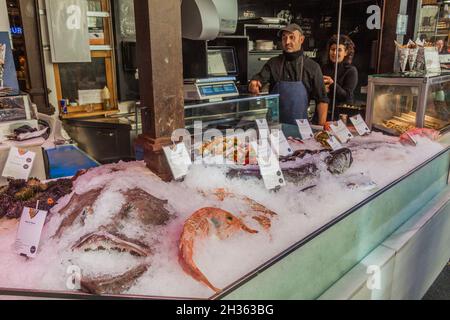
(347, 73)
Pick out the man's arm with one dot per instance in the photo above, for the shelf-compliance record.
(322, 111)
(260, 79)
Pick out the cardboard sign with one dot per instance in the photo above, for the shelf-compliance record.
(341, 132)
(179, 160)
(29, 232)
(305, 129)
(279, 144)
(19, 164)
(269, 167)
(361, 126)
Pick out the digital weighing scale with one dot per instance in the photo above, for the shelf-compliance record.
(212, 89)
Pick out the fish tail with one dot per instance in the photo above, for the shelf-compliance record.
(186, 261)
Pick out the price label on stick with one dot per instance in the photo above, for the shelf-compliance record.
(360, 125)
(19, 164)
(29, 232)
(179, 160)
(269, 167)
(305, 129)
(263, 126)
(334, 143)
(341, 132)
(411, 137)
(280, 144)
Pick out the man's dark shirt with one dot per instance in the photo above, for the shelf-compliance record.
(312, 74)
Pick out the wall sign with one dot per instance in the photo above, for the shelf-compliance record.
(90, 96)
(68, 30)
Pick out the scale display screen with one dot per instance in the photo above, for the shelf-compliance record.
(217, 89)
(222, 61)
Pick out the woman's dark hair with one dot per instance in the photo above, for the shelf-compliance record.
(345, 41)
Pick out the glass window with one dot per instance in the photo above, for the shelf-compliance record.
(95, 5)
(96, 31)
(82, 76)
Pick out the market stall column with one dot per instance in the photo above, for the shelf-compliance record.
(29, 15)
(159, 55)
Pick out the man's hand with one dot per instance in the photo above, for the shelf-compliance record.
(255, 87)
(328, 81)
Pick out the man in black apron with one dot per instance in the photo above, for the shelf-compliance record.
(296, 78)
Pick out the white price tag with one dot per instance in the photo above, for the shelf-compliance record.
(179, 160)
(341, 132)
(270, 168)
(305, 129)
(280, 144)
(360, 125)
(263, 126)
(19, 164)
(334, 143)
(29, 232)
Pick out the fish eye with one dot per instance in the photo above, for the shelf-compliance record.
(230, 219)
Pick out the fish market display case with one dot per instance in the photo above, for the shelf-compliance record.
(312, 265)
(240, 112)
(309, 268)
(399, 102)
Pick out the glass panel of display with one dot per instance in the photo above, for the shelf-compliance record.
(437, 112)
(235, 110)
(395, 108)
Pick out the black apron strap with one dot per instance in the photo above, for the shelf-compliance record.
(302, 68)
(283, 61)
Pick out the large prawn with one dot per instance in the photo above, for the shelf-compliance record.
(200, 225)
